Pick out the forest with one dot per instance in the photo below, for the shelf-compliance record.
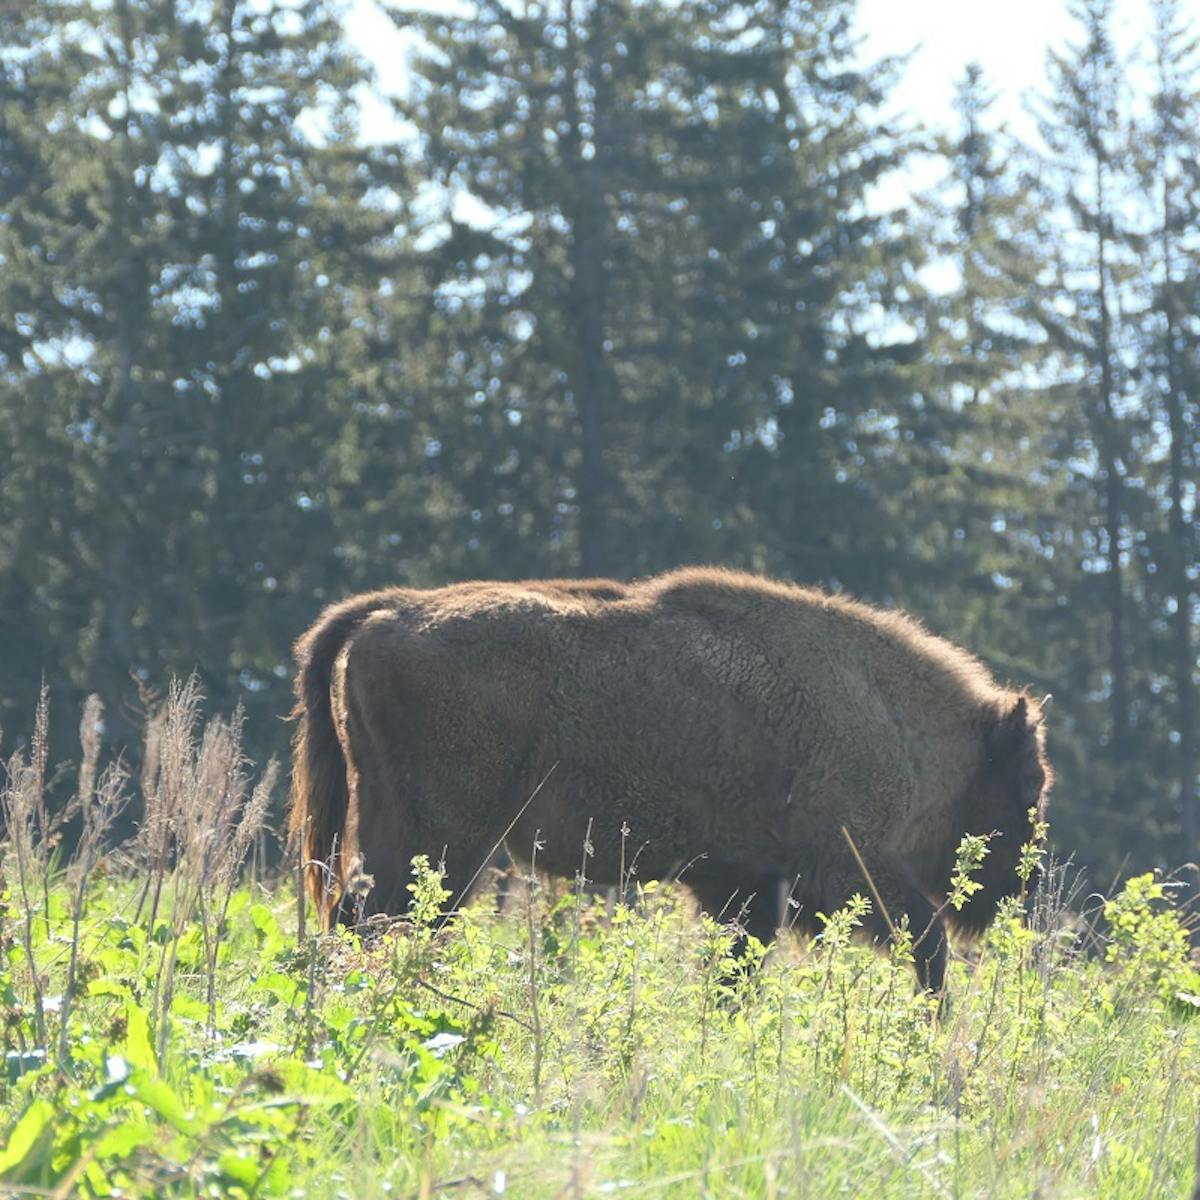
(629, 288)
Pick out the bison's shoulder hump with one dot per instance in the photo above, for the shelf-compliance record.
(717, 590)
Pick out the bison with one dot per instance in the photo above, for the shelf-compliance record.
(758, 731)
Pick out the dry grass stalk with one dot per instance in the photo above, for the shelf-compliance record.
(202, 819)
(167, 778)
(21, 802)
(90, 726)
(535, 1017)
(250, 825)
(99, 807)
(38, 753)
(230, 855)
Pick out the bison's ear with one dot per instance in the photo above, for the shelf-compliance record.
(1011, 731)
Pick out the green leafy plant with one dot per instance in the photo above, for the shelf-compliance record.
(1148, 940)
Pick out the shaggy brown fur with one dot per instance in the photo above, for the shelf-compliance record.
(730, 722)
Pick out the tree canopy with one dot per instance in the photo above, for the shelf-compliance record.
(625, 291)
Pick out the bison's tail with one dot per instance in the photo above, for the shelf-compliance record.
(320, 789)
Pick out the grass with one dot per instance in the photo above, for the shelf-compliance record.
(167, 1034)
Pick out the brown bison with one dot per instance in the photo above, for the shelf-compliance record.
(726, 721)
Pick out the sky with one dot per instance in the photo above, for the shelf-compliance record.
(1009, 39)
(376, 37)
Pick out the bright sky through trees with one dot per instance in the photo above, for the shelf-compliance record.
(1009, 40)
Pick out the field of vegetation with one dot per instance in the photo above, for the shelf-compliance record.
(174, 1026)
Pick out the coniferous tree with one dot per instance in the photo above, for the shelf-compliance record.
(785, 343)
(681, 206)
(982, 466)
(195, 250)
(1169, 168)
(1005, 507)
(1084, 311)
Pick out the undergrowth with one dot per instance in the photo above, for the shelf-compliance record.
(167, 1033)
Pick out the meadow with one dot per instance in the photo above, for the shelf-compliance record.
(175, 1025)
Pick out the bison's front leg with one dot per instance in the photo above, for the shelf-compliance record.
(728, 892)
(928, 932)
(894, 896)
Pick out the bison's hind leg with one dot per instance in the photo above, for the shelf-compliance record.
(764, 901)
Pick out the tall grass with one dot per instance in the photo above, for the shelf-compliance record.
(167, 1032)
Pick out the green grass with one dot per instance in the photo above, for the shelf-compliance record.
(558, 1050)
(628, 1055)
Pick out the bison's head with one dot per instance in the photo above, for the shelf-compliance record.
(1013, 783)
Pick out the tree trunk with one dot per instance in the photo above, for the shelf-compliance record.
(1118, 665)
(1181, 555)
(592, 379)
(120, 576)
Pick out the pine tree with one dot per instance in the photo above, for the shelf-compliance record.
(681, 205)
(199, 247)
(1084, 128)
(795, 383)
(1169, 168)
(997, 508)
(43, 356)
(978, 436)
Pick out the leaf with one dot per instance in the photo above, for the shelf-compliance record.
(301, 1082)
(239, 1166)
(109, 987)
(26, 1135)
(188, 1007)
(158, 1097)
(282, 987)
(97, 1180)
(124, 1139)
(263, 919)
(138, 1048)
(270, 939)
